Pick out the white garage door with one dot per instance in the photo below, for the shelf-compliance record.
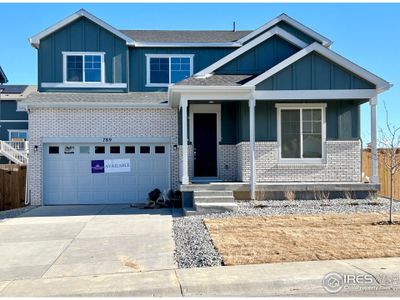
(104, 173)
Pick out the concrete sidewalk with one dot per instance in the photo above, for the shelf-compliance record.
(299, 278)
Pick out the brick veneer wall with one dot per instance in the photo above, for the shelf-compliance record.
(227, 162)
(97, 122)
(343, 164)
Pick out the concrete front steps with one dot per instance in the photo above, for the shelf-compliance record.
(208, 202)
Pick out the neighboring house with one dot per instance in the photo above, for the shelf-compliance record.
(3, 77)
(121, 112)
(13, 122)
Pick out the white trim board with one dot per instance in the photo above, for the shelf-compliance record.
(84, 85)
(314, 94)
(35, 40)
(283, 17)
(13, 121)
(189, 44)
(93, 105)
(381, 84)
(265, 36)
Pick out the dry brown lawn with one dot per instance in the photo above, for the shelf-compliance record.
(255, 240)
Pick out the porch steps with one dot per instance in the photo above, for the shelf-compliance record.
(208, 202)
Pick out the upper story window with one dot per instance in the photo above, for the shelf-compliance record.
(301, 132)
(83, 67)
(166, 69)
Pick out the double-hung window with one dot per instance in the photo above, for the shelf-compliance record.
(301, 132)
(83, 67)
(166, 69)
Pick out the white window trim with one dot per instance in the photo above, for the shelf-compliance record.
(301, 106)
(11, 131)
(83, 54)
(169, 56)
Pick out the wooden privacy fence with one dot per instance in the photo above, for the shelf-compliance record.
(12, 186)
(383, 172)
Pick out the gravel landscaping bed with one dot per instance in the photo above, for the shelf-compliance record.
(12, 213)
(194, 247)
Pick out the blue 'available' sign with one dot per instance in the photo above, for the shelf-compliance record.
(97, 166)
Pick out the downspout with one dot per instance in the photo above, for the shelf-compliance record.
(27, 194)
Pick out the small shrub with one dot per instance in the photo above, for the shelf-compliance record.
(373, 196)
(349, 195)
(260, 195)
(290, 196)
(321, 195)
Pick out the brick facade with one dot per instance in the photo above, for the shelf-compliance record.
(343, 164)
(92, 123)
(343, 157)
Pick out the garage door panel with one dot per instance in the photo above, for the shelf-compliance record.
(99, 179)
(115, 180)
(68, 178)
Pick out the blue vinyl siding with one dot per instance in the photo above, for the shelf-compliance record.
(82, 35)
(203, 57)
(8, 111)
(260, 58)
(342, 117)
(314, 72)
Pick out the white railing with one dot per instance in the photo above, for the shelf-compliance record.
(16, 156)
(20, 146)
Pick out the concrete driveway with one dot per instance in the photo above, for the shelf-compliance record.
(61, 241)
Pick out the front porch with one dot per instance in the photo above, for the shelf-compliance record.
(269, 191)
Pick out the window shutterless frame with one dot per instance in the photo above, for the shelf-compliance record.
(300, 107)
(18, 132)
(83, 54)
(169, 56)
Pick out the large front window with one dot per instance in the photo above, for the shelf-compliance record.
(301, 132)
(83, 67)
(163, 70)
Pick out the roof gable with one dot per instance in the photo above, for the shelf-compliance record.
(253, 43)
(293, 23)
(314, 72)
(260, 58)
(35, 40)
(332, 57)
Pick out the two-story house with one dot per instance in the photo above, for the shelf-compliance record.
(121, 112)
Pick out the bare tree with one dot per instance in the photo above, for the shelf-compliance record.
(389, 144)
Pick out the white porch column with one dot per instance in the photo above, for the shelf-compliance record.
(252, 148)
(374, 158)
(185, 159)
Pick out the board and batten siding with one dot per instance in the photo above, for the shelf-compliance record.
(260, 58)
(342, 121)
(203, 57)
(82, 35)
(314, 72)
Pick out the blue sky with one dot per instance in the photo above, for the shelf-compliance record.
(367, 34)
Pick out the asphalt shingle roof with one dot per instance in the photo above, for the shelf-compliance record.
(139, 98)
(185, 36)
(217, 80)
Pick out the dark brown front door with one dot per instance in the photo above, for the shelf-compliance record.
(205, 144)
